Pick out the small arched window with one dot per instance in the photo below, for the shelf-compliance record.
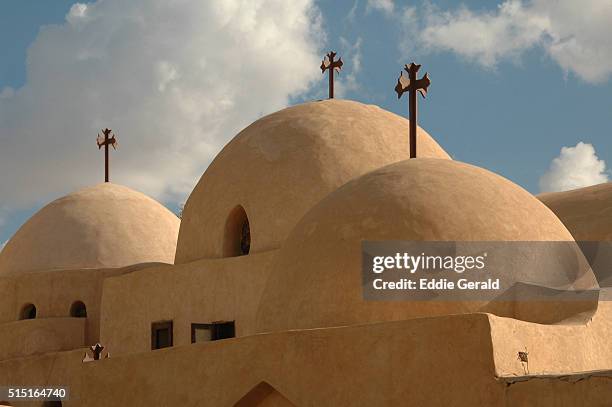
(28, 312)
(78, 310)
(237, 238)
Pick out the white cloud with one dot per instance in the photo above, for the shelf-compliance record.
(77, 14)
(176, 80)
(7, 92)
(386, 6)
(576, 167)
(350, 17)
(347, 81)
(575, 34)
(181, 208)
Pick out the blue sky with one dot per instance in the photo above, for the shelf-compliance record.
(508, 91)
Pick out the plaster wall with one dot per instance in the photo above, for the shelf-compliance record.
(437, 361)
(553, 348)
(381, 364)
(34, 336)
(199, 292)
(50, 369)
(54, 292)
(592, 392)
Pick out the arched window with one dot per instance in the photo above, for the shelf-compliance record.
(78, 310)
(28, 312)
(237, 239)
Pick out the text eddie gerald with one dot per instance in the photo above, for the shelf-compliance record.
(425, 272)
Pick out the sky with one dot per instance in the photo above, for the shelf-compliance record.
(522, 88)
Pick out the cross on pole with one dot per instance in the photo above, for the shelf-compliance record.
(96, 353)
(106, 141)
(331, 65)
(412, 85)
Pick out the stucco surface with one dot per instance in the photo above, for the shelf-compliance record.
(54, 293)
(552, 349)
(106, 225)
(437, 361)
(591, 392)
(586, 212)
(284, 163)
(309, 368)
(316, 280)
(199, 292)
(49, 369)
(34, 336)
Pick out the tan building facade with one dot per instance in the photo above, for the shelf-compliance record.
(254, 297)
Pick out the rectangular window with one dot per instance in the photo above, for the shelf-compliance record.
(201, 333)
(161, 334)
(212, 332)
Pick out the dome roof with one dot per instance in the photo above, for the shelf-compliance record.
(586, 212)
(317, 281)
(280, 166)
(106, 225)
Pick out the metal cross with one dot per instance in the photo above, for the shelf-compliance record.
(331, 65)
(106, 141)
(523, 357)
(96, 352)
(412, 85)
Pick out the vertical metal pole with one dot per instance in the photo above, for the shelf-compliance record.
(105, 157)
(331, 79)
(413, 113)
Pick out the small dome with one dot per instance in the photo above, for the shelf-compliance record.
(106, 225)
(586, 212)
(280, 166)
(316, 280)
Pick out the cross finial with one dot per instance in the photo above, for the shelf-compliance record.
(330, 64)
(106, 141)
(96, 353)
(412, 85)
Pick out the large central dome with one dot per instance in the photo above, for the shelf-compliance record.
(106, 225)
(317, 282)
(280, 166)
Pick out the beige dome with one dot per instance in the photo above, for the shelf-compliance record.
(586, 212)
(106, 225)
(283, 164)
(316, 280)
